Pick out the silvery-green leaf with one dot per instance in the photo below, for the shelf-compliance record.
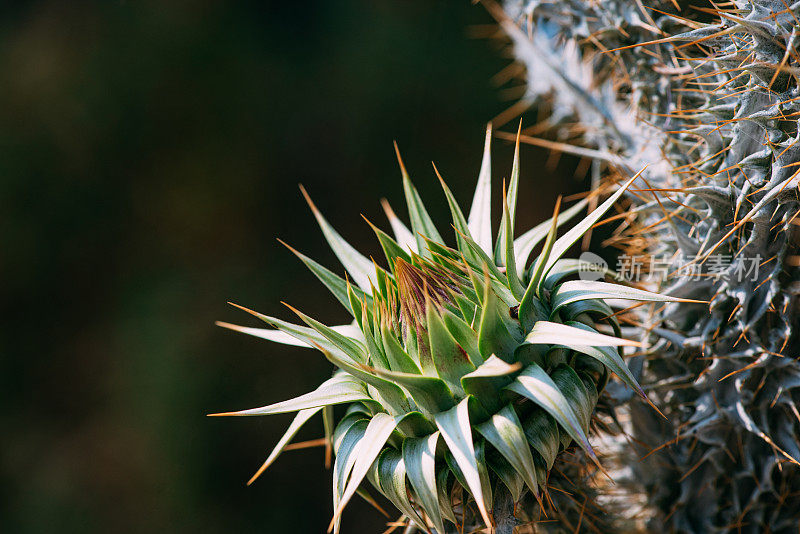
(595, 308)
(355, 413)
(419, 455)
(575, 290)
(345, 459)
(510, 477)
(549, 333)
(337, 390)
(607, 355)
(307, 336)
(390, 472)
(394, 398)
(480, 214)
(355, 350)
(377, 433)
(504, 431)
(571, 385)
(537, 385)
(541, 432)
(265, 333)
(456, 430)
(359, 267)
(568, 266)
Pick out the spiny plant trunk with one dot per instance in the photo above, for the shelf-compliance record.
(711, 107)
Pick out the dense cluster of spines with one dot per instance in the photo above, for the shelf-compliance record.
(713, 93)
(466, 369)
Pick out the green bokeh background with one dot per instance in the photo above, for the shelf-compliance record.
(150, 153)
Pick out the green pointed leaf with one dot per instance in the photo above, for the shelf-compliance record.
(504, 431)
(451, 361)
(459, 223)
(464, 335)
(398, 359)
(509, 206)
(524, 244)
(508, 252)
(527, 307)
(536, 385)
(483, 260)
(419, 455)
(357, 306)
(305, 336)
(402, 234)
(456, 430)
(337, 390)
(568, 239)
(483, 472)
(329, 426)
(376, 351)
(421, 223)
(444, 487)
(575, 290)
(359, 267)
(391, 249)
(497, 332)
(355, 350)
(430, 393)
(480, 214)
(335, 283)
(486, 383)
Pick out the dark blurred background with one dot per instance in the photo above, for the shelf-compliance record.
(150, 153)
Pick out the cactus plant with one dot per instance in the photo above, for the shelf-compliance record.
(465, 369)
(709, 99)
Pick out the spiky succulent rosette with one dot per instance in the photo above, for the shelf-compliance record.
(466, 369)
(714, 95)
